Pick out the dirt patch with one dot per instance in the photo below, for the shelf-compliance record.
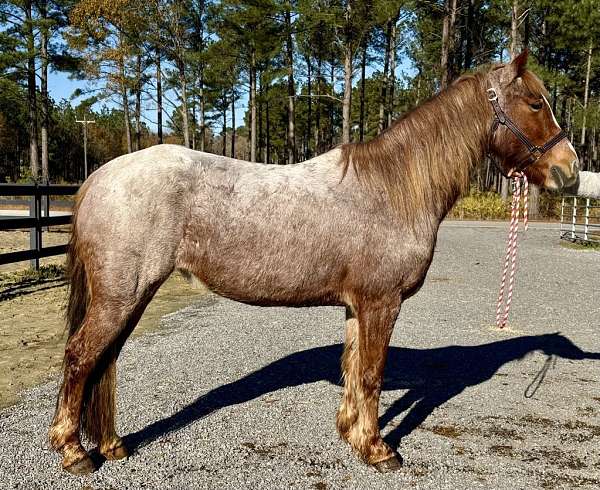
(502, 450)
(449, 431)
(32, 331)
(18, 240)
(554, 456)
(505, 433)
(540, 421)
(573, 430)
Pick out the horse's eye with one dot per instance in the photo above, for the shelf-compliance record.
(536, 106)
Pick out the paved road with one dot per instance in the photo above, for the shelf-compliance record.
(232, 396)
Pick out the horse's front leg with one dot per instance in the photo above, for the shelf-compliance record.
(369, 326)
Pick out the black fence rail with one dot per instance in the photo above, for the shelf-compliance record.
(38, 219)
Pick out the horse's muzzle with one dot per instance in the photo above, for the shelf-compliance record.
(561, 178)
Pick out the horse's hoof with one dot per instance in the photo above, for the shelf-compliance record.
(84, 466)
(115, 453)
(392, 464)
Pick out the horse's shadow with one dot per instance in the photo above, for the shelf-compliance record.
(431, 376)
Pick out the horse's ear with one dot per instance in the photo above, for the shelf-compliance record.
(516, 67)
(520, 62)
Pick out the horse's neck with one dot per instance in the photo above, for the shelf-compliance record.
(459, 121)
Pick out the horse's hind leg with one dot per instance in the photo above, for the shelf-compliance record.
(367, 339)
(86, 349)
(88, 390)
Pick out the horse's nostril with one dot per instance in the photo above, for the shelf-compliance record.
(575, 166)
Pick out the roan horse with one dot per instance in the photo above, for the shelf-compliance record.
(355, 227)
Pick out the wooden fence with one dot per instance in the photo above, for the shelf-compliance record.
(38, 219)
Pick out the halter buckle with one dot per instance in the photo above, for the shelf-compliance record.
(537, 152)
(492, 94)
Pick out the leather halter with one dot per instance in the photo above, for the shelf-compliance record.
(535, 152)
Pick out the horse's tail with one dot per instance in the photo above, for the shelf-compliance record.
(98, 408)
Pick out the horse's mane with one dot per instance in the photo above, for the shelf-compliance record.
(423, 161)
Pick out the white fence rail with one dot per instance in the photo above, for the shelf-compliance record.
(579, 220)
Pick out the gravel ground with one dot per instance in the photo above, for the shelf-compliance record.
(233, 396)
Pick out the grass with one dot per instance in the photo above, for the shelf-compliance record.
(580, 245)
(31, 276)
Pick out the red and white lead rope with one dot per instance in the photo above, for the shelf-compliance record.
(511, 248)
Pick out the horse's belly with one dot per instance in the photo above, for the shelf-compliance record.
(265, 273)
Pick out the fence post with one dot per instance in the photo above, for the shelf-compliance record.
(38, 225)
(574, 220)
(587, 219)
(35, 232)
(46, 203)
(562, 215)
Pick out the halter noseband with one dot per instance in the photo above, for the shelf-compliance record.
(535, 152)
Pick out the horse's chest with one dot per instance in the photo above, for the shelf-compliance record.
(409, 262)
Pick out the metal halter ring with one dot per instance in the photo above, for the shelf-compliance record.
(492, 94)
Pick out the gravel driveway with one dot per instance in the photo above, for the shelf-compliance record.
(233, 396)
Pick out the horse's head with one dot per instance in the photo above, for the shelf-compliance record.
(525, 135)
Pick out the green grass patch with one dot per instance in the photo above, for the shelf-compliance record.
(580, 245)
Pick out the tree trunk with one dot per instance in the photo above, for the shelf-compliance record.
(159, 103)
(193, 129)
(469, 32)
(184, 105)
(331, 116)
(347, 100)
(261, 135)
(31, 93)
(44, 88)
(268, 123)
(253, 106)
(534, 201)
(594, 146)
(363, 67)
(232, 122)
(125, 101)
(308, 152)
(125, 98)
(224, 127)
(138, 102)
(586, 93)
(202, 108)
(392, 75)
(291, 138)
(505, 189)
(318, 109)
(516, 40)
(384, 84)
(447, 41)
